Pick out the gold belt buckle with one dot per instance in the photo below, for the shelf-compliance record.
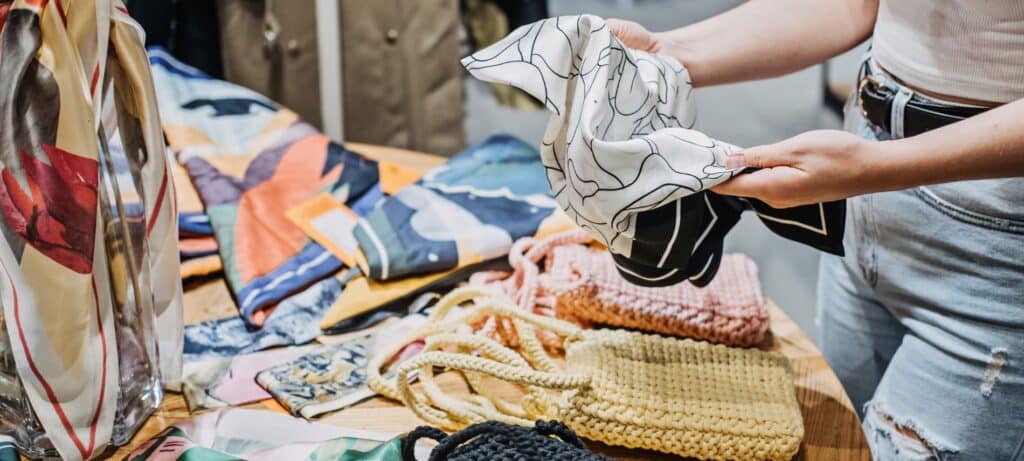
(868, 79)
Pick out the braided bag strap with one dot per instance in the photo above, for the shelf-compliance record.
(477, 356)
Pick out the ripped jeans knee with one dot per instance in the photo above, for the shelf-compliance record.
(892, 438)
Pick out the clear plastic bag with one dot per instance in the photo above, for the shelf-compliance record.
(91, 300)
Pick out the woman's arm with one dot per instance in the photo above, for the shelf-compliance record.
(828, 165)
(759, 39)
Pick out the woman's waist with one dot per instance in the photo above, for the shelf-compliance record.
(936, 96)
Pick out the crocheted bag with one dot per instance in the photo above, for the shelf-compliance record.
(581, 284)
(494, 441)
(637, 390)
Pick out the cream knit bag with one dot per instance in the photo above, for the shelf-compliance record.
(679, 396)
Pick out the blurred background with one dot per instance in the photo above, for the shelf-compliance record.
(316, 57)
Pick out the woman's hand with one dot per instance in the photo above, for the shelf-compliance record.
(816, 166)
(636, 36)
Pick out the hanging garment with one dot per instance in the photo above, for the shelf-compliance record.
(188, 30)
(621, 159)
(251, 161)
(255, 435)
(522, 12)
(579, 283)
(487, 196)
(270, 46)
(618, 387)
(486, 22)
(86, 304)
(491, 440)
(409, 50)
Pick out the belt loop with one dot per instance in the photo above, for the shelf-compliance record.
(899, 104)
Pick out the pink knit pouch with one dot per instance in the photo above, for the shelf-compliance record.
(580, 283)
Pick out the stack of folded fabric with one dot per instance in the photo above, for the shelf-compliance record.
(197, 246)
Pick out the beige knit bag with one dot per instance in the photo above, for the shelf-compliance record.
(637, 390)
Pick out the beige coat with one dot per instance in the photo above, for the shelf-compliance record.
(402, 79)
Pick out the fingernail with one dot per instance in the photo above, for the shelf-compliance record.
(734, 161)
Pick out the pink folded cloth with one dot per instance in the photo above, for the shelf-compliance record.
(581, 284)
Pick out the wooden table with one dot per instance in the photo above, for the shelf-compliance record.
(832, 427)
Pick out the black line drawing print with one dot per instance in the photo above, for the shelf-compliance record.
(620, 144)
(621, 125)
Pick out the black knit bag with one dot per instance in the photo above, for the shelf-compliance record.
(494, 441)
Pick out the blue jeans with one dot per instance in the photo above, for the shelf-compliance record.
(923, 320)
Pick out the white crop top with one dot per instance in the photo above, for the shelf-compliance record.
(963, 48)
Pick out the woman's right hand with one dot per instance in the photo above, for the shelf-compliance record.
(634, 35)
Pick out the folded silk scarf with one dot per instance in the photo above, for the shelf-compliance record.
(333, 376)
(327, 379)
(192, 220)
(621, 159)
(229, 381)
(467, 211)
(251, 161)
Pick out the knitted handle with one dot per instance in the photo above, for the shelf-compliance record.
(495, 360)
(530, 287)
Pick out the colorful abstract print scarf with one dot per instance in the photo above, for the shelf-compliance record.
(251, 161)
(467, 211)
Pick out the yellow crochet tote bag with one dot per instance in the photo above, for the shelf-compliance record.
(637, 390)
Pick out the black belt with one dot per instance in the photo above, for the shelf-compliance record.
(919, 115)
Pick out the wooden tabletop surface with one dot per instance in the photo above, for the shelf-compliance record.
(831, 425)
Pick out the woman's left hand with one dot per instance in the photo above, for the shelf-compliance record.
(816, 166)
